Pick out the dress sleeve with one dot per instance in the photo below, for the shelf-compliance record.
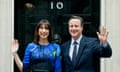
(58, 61)
(26, 59)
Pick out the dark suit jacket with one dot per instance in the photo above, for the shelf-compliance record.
(89, 53)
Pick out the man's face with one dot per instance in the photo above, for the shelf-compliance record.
(75, 28)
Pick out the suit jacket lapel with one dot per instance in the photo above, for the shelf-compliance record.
(67, 51)
(80, 51)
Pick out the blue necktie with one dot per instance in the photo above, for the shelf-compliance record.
(74, 53)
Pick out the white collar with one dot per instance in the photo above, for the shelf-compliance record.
(78, 40)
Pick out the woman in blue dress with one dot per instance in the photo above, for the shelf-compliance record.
(41, 55)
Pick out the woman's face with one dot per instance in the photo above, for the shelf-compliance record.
(43, 32)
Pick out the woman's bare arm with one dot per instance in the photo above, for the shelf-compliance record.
(15, 47)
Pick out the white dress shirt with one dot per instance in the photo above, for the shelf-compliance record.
(72, 46)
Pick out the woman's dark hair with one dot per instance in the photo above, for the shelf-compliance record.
(77, 17)
(47, 26)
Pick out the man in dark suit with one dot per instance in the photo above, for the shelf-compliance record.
(81, 54)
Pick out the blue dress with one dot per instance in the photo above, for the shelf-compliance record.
(42, 57)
